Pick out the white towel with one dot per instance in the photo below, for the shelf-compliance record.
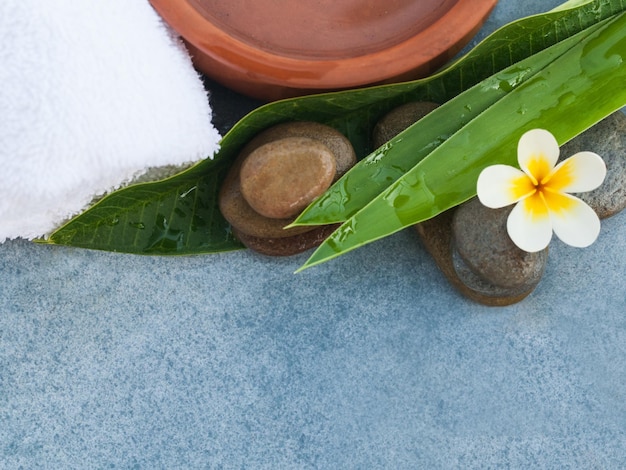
(92, 94)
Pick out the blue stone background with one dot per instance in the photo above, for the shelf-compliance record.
(369, 361)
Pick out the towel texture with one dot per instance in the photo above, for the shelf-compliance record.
(92, 94)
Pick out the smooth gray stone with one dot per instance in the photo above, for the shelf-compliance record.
(485, 258)
(607, 139)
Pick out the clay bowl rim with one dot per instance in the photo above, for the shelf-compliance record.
(246, 63)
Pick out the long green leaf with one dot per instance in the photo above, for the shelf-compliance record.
(163, 218)
(578, 89)
(175, 216)
(380, 169)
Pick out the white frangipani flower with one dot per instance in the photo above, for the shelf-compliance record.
(540, 191)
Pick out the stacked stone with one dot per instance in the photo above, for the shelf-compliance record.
(470, 243)
(278, 174)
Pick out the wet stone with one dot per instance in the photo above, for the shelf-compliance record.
(485, 258)
(279, 179)
(268, 234)
(337, 143)
(286, 246)
(607, 139)
(243, 217)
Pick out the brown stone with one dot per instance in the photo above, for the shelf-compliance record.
(279, 179)
(286, 246)
(243, 217)
(398, 119)
(258, 230)
(338, 144)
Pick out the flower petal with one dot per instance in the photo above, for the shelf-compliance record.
(502, 185)
(577, 225)
(583, 171)
(537, 153)
(529, 224)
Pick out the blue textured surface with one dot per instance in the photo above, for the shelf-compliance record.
(370, 361)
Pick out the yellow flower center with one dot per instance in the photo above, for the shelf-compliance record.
(541, 190)
(539, 169)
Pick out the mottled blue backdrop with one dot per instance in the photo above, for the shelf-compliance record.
(369, 361)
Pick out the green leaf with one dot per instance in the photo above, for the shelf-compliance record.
(174, 216)
(162, 218)
(578, 89)
(381, 168)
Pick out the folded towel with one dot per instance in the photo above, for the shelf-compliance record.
(92, 94)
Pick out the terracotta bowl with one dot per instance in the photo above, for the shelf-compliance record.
(272, 49)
